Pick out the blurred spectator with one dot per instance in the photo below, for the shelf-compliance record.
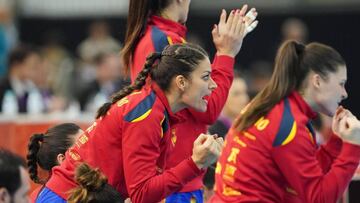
(14, 180)
(98, 41)
(294, 29)
(237, 99)
(93, 187)
(8, 33)
(258, 76)
(60, 65)
(24, 62)
(108, 80)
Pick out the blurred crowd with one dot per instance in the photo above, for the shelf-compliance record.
(48, 79)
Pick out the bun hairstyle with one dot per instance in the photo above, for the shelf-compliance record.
(93, 187)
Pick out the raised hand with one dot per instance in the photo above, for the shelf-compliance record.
(229, 33)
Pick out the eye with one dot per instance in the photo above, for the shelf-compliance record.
(206, 77)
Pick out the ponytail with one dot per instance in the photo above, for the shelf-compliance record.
(32, 157)
(137, 85)
(288, 75)
(293, 64)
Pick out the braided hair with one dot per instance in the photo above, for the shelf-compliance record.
(44, 148)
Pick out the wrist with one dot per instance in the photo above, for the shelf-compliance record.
(198, 164)
(223, 53)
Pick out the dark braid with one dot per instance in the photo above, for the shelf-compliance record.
(44, 148)
(137, 85)
(32, 160)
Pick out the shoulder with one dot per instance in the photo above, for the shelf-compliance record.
(162, 38)
(291, 122)
(141, 105)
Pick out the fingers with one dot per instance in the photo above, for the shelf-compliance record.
(240, 25)
(222, 19)
(339, 110)
(243, 10)
(201, 139)
(229, 22)
(342, 126)
(220, 142)
(236, 23)
(250, 21)
(250, 16)
(215, 31)
(252, 26)
(352, 121)
(209, 141)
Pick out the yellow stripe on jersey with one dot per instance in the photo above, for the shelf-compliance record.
(170, 40)
(291, 135)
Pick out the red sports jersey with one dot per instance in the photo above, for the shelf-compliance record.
(277, 160)
(129, 145)
(159, 33)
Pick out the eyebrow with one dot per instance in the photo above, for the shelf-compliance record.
(208, 72)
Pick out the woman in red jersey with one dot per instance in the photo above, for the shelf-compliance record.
(47, 150)
(132, 136)
(271, 154)
(151, 25)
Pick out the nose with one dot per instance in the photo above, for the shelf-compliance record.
(212, 84)
(345, 94)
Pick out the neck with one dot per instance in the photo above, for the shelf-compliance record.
(170, 14)
(307, 96)
(173, 99)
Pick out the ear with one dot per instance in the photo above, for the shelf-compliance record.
(181, 82)
(316, 80)
(4, 195)
(60, 158)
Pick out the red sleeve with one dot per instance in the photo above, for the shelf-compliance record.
(223, 74)
(141, 154)
(297, 161)
(327, 153)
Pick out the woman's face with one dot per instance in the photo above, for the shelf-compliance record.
(331, 91)
(198, 87)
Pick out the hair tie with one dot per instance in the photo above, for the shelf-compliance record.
(39, 137)
(157, 55)
(300, 48)
(165, 53)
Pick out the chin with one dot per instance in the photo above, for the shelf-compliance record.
(201, 109)
(329, 112)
